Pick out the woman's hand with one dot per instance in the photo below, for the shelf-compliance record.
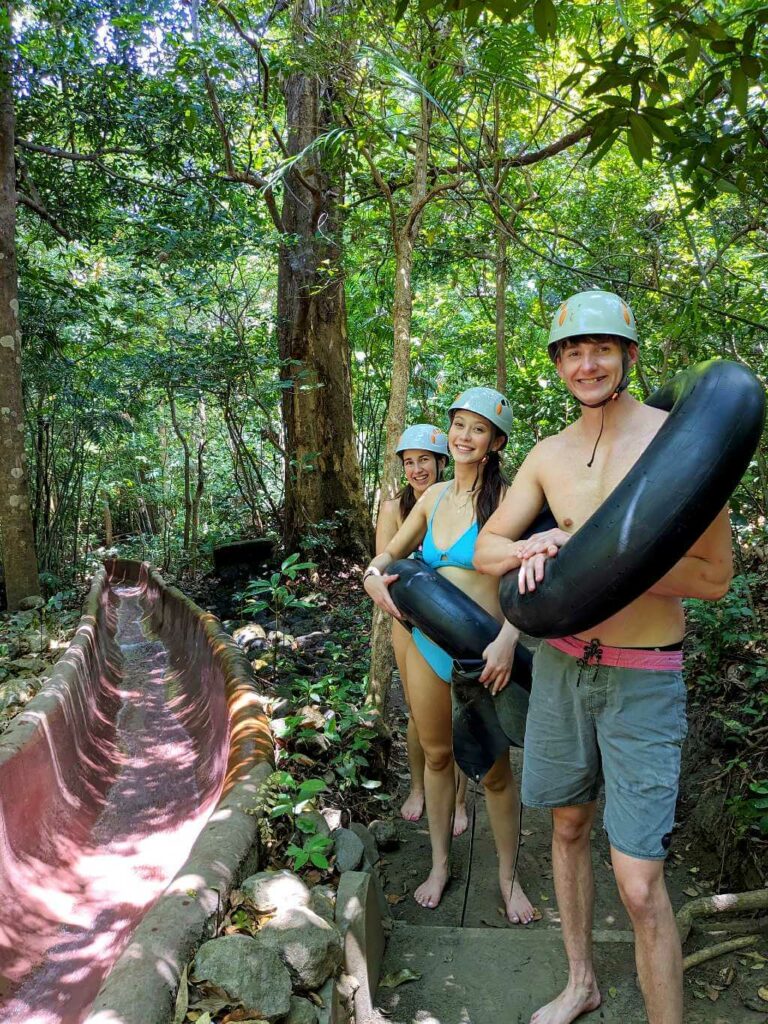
(498, 657)
(377, 588)
(533, 554)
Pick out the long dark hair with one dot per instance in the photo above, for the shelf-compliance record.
(492, 488)
(407, 497)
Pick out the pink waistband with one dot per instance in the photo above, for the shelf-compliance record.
(619, 657)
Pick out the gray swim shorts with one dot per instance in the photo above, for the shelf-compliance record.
(624, 726)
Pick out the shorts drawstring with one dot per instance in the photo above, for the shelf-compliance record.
(591, 650)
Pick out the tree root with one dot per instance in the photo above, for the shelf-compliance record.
(739, 926)
(706, 906)
(702, 955)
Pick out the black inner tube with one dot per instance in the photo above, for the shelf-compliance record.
(658, 511)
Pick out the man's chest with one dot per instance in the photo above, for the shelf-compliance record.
(574, 490)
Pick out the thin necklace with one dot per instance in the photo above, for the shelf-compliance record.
(461, 505)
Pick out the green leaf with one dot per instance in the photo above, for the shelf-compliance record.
(661, 129)
(319, 860)
(724, 46)
(545, 18)
(310, 787)
(739, 88)
(642, 136)
(318, 843)
(751, 67)
(306, 825)
(692, 51)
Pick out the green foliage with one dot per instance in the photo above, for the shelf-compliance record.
(275, 593)
(312, 851)
(730, 668)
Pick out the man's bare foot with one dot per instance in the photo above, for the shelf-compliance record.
(430, 891)
(460, 820)
(413, 808)
(570, 1004)
(516, 903)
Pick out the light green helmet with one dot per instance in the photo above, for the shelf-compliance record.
(489, 403)
(592, 312)
(425, 438)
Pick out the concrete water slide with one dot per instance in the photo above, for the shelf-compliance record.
(123, 791)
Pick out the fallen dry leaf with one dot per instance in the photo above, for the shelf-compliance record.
(712, 992)
(399, 978)
(727, 976)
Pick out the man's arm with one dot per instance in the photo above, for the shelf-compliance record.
(706, 570)
(498, 550)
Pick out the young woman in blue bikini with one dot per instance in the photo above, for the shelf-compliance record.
(446, 521)
(423, 451)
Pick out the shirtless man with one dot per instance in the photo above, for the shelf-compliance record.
(610, 701)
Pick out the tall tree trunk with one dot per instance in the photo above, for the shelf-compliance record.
(402, 311)
(382, 657)
(322, 473)
(199, 486)
(108, 534)
(501, 309)
(187, 471)
(20, 558)
(501, 257)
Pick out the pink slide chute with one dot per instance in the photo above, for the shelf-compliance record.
(106, 781)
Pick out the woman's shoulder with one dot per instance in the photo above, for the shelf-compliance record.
(389, 511)
(433, 493)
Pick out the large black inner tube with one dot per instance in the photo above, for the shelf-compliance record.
(658, 511)
(448, 616)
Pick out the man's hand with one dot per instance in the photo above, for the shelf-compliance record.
(546, 543)
(534, 552)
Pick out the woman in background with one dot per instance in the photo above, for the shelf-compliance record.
(423, 451)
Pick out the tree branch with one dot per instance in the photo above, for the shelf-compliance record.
(67, 154)
(416, 209)
(43, 214)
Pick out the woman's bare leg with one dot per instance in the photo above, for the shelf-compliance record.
(413, 807)
(431, 708)
(503, 801)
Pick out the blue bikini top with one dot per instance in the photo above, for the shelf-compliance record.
(459, 554)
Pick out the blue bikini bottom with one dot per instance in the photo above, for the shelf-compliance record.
(438, 660)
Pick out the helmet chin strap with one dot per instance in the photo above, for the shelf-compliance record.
(622, 386)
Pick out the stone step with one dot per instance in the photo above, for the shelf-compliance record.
(498, 976)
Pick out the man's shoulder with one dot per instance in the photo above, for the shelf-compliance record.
(549, 446)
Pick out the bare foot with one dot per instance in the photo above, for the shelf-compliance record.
(516, 903)
(413, 808)
(570, 1004)
(460, 820)
(430, 891)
